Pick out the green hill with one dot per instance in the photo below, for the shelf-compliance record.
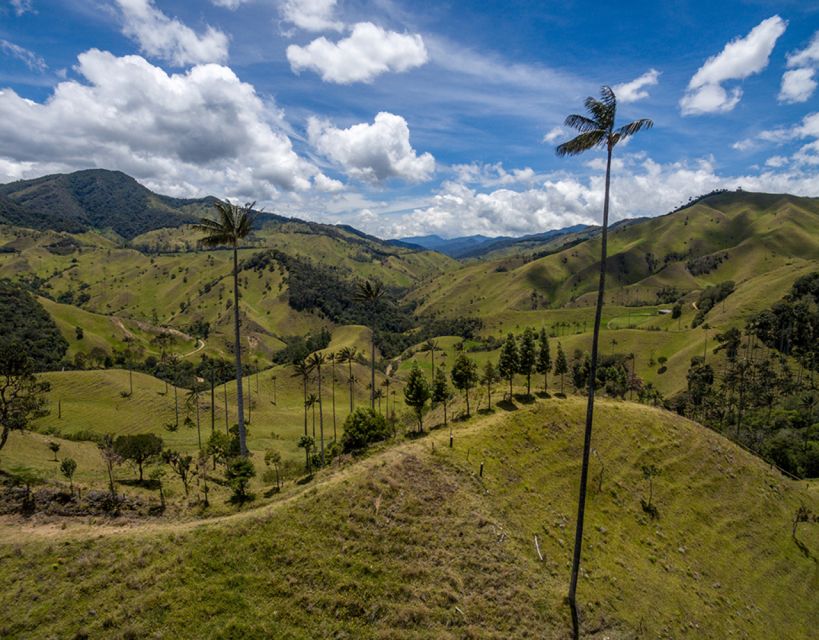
(413, 543)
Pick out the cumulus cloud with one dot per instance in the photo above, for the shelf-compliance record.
(642, 187)
(168, 39)
(311, 15)
(798, 83)
(365, 54)
(741, 58)
(635, 90)
(29, 58)
(193, 133)
(372, 152)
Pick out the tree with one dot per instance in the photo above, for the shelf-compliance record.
(416, 394)
(68, 467)
(139, 448)
(362, 428)
(234, 223)
(332, 358)
(650, 472)
(219, 447)
(308, 444)
(561, 365)
(181, 466)
(22, 395)
(431, 347)
(464, 376)
(110, 457)
(544, 358)
(302, 370)
(348, 355)
(315, 361)
(274, 458)
(508, 362)
(55, 448)
(597, 131)
(238, 474)
(490, 377)
(527, 356)
(369, 293)
(192, 403)
(440, 390)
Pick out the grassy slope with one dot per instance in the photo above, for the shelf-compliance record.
(410, 543)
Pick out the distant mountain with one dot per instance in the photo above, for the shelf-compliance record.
(94, 199)
(478, 245)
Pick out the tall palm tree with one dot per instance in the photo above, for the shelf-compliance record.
(387, 383)
(302, 370)
(369, 293)
(431, 346)
(348, 355)
(311, 402)
(332, 358)
(597, 131)
(192, 404)
(233, 224)
(315, 361)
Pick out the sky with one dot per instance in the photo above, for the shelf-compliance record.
(409, 118)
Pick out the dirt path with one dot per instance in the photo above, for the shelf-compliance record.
(200, 344)
(15, 528)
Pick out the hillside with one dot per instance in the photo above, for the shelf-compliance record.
(411, 543)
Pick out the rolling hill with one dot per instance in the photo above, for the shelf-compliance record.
(412, 542)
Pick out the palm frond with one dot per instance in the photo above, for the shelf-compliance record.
(581, 143)
(581, 123)
(633, 127)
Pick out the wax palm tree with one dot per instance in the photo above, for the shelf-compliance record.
(302, 370)
(315, 361)
(369, 293)
(597, 131)
(431, 346)
(348, 355)
(386, 384)
(311, 402)
(192, 402)
(233, 224)
(331, 357)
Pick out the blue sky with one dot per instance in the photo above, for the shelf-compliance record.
(407, 118)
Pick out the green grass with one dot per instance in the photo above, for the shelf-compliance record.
(411, 543)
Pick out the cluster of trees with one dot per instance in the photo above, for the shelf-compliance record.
(709, 297)
(764, 395)
(28, 327)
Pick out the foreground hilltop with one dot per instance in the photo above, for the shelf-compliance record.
(412, 542)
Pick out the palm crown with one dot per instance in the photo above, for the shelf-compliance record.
(232, 224)
(598, 130)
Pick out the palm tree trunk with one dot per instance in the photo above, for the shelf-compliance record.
(198, 424)
(304, 381)
(350, 361)
(321, 417)
(333, 385)
(212, 404)
(584, 472)
(227, 417)
(372, 369)
(238, 347)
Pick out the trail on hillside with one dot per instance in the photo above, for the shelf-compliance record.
(12, 527)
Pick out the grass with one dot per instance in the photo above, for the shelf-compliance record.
(412, 543)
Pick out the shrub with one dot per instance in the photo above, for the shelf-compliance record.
(363, 427)
(239, 472)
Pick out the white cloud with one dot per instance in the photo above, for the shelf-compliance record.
(168, 39)
(798, 83)
(742, 57)
(491, 175)
(554, 134)
(328, 185)
(194, 133)
(744, 145)
(22, 6)
(776, 161)
(807, 56)
(29, 58)
(372, 152)
(229, 4)
(365, 54)
(635, 90)
(311, 15)
(641, 188)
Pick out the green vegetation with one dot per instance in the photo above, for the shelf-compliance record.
(28, 327)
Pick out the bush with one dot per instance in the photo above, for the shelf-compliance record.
(362, 428)
(239, 472)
